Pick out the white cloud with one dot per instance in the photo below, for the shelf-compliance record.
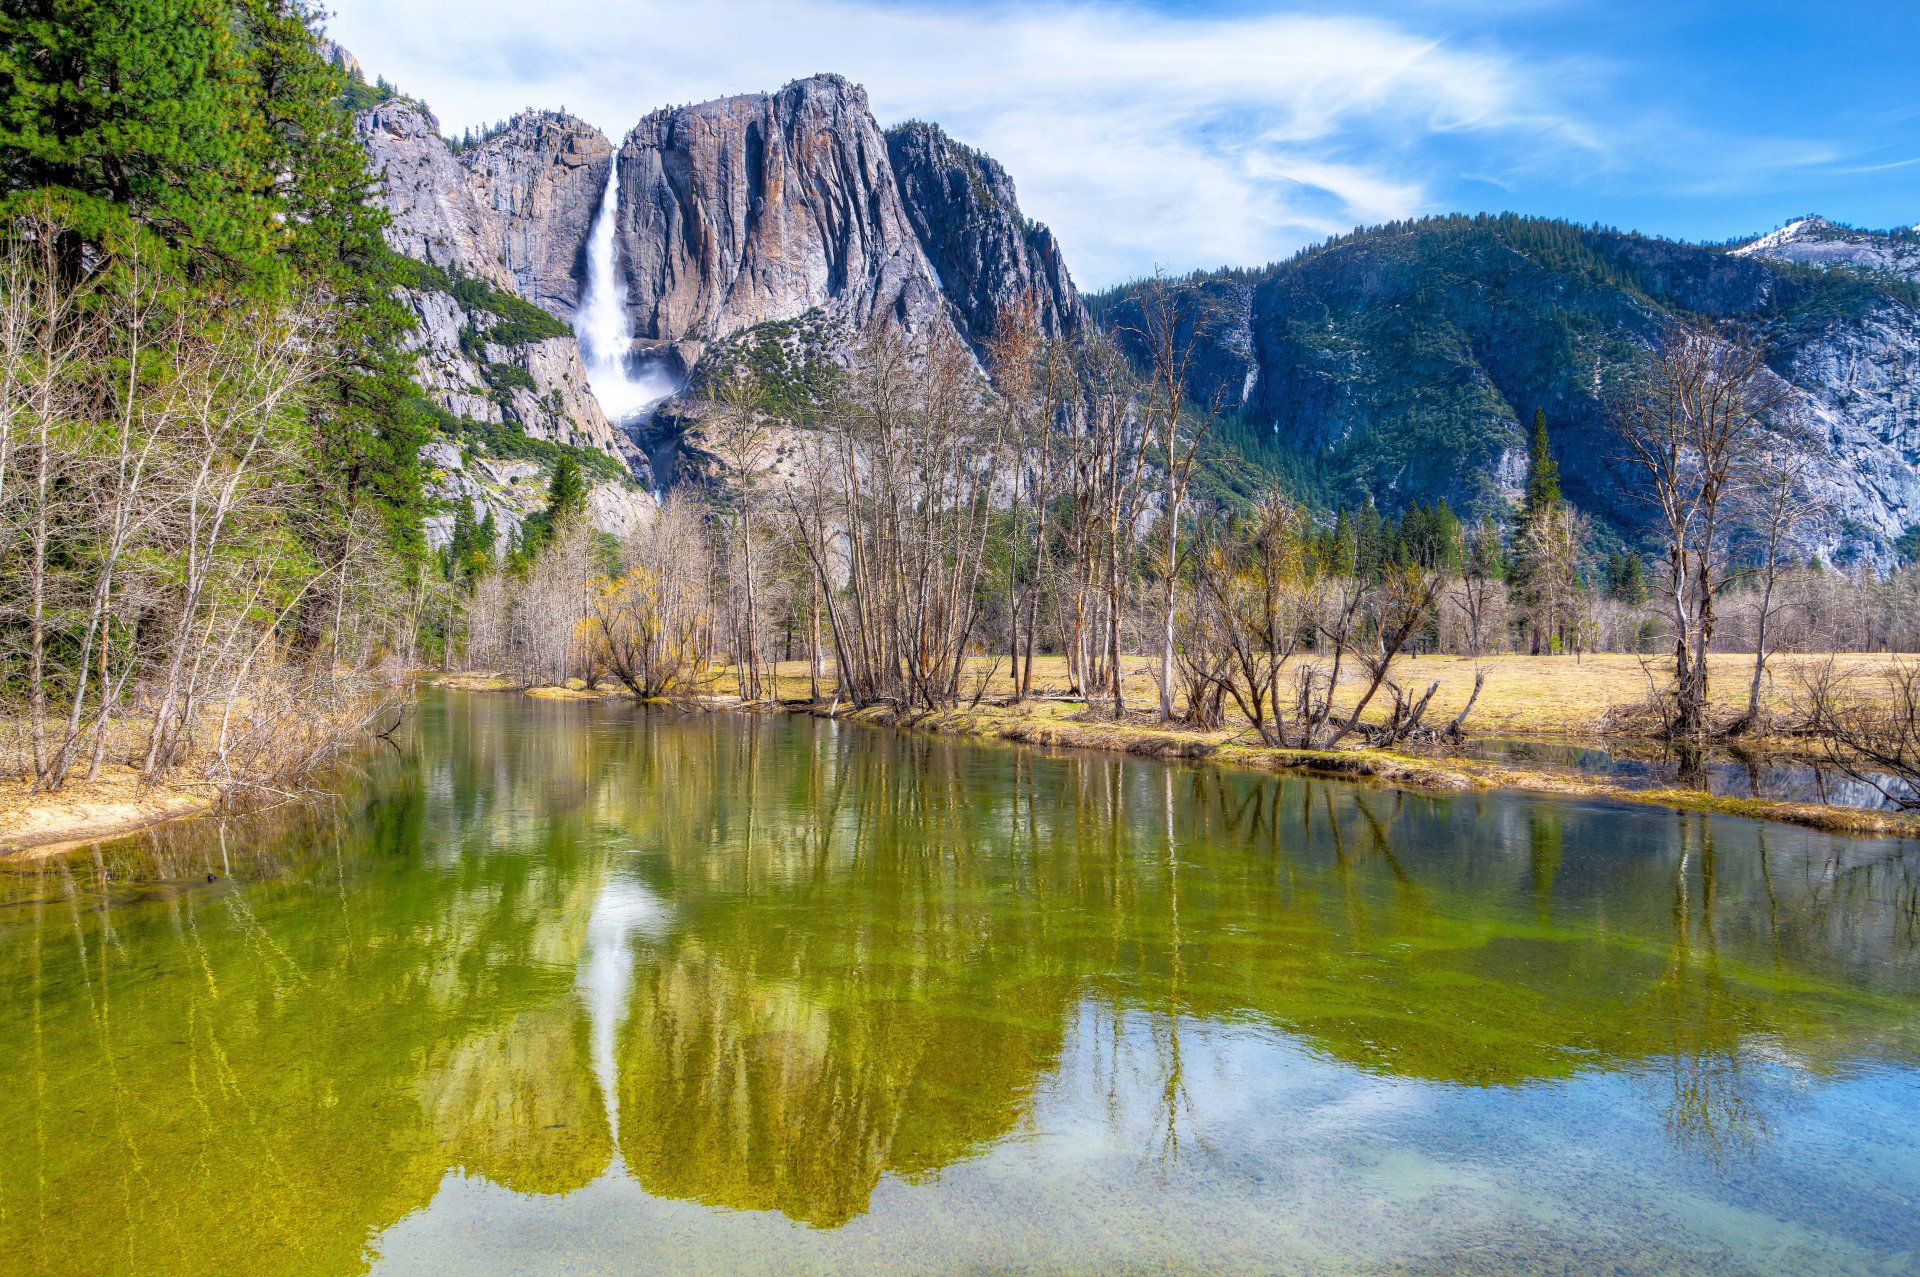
(1143, 139)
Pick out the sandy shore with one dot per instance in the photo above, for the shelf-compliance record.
(83, 812)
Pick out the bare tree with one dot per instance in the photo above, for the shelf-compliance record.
(743, 438)
(1780, 501)
(1106, 446)
(1695, 405)
(1871, 732)
(895, 512)
(1257, 591)
(1170, 352)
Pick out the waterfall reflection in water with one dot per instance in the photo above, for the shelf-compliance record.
(572, 986)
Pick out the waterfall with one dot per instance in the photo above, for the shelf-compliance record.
(606, 337)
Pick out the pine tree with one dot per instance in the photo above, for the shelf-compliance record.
(1543, 472)
(1545, 548)
(1340, 551)
(211, 133)
(1369, 541)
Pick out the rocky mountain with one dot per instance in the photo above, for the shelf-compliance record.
(963, 208)
(765, 207)
(1402, 362)
(1398, 363)
(778, 221)
(1815, 241)
(503, 373)
(541, 178)
(770, 207)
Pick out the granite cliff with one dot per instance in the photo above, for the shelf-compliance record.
(1398, 363)
(502, 372)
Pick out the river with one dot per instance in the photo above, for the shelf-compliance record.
(574, 987)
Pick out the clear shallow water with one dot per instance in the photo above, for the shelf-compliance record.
(566, 988)
(1723, 772)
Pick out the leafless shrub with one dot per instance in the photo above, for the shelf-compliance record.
(1869, 725)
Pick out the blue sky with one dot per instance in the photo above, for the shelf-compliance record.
(1183, 135)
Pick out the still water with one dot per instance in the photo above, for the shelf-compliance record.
(582, 989)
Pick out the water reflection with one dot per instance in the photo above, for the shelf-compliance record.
(799, 972)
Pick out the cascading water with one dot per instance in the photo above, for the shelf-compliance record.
(625, 392)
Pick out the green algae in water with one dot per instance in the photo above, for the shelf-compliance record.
(581, 988)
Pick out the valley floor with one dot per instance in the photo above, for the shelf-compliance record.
(1534, 696)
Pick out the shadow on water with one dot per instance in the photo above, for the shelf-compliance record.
(557, 954)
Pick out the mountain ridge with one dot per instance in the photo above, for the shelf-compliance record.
(1404, 360)
(1399, 362)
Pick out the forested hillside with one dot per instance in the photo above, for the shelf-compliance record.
(1403, 362)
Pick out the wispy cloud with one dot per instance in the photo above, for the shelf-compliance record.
(1143, 138)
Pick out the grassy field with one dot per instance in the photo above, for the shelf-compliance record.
(1524, 695)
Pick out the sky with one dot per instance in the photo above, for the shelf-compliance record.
(1181, 135)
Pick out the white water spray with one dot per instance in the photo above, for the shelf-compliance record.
(606, 338)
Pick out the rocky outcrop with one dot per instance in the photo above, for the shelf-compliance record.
(764, 207)
(541, 178)
(545, 396)
(1815, 241)
(434, 215)
(336, 56)
(512, 492)
(987, 255)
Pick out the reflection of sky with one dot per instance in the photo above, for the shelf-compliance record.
(1200, 1144)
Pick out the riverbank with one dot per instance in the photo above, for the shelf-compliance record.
(1045, 723)
(1537, 698)
(1530, 695)
(113, 805)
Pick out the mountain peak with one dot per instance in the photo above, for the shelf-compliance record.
(1817, 241)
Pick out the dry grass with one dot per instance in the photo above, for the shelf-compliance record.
(1524, 695)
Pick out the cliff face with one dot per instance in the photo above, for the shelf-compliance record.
(495, 227)
(765, 207)
(541, 179)
(748, 211)
(962, 207)
(1214, 316)
(436, 217)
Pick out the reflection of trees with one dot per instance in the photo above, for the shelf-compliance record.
(253, 1078)
(1713, 1103)
(890, 886)
(518, 1104)
(878, 946)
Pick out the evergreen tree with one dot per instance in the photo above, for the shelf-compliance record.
(210, 132)
(1486, 558)
(566, 493)
(131, 116)
(1430, 536)
(1369, 541)
(1626, 577)
(1543, 472)
(1339, 551)
(1545, 549)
